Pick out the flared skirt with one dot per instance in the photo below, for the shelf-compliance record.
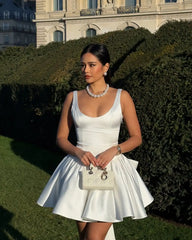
(129, 197)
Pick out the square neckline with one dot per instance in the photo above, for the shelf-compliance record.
(113, 105)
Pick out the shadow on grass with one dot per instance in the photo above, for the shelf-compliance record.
(42, 158)
(6, 229)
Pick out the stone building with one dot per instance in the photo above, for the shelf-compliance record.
(63, 20)
(16, 26)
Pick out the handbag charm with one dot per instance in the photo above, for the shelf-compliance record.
(96, 178)
(103, 175)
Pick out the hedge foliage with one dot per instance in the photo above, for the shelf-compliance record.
(163, 95)
(155, 68)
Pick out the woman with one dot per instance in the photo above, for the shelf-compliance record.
(97, 113)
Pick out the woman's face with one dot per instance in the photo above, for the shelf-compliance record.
(92, 69)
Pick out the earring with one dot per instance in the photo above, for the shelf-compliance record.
(105, 74)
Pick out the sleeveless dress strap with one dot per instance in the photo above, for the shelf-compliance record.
(74, 102)
(119, 93)
(118, 97)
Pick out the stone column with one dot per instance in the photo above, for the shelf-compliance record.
(137, 5)
(98, 3)
(64, 5)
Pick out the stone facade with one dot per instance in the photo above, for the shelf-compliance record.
(63, 20)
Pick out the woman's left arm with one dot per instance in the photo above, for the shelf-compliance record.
(132, 123)
(133, 127)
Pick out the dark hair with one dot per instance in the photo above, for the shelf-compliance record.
(100, 51)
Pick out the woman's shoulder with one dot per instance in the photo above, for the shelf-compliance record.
(124, 93)
(125, 97)
(68, 98)
(70, 95)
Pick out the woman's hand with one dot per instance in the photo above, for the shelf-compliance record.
(86, 157)
(105, 157)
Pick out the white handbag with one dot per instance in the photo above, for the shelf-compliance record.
(95, 178)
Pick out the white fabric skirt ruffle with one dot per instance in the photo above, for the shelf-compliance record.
(129, 197)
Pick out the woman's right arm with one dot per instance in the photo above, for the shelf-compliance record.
(64, 127)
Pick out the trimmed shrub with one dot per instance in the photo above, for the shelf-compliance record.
(162, 93)
(31, 112)
(177, 33)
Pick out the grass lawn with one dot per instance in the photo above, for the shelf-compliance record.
(24, 171)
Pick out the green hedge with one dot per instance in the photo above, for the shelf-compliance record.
(162, 93)
(31, 112)
(155, 68)
(58, 62)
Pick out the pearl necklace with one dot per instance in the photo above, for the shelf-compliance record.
(97, 95)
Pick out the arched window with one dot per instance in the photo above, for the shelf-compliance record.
(57, 5)
(58, 36)
(130, 3)
(129, 28)
(90, 32)
(92, 4)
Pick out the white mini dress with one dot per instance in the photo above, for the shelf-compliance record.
(130, 195)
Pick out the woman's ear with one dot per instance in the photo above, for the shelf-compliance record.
(106, 67)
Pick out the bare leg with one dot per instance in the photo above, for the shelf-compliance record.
(81, 229)
(93, 230)
(96, 230)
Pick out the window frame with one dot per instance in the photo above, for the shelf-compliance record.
(57, 5)
(91, 30)
(170, 1)
(92, 4)
(130, 3)
(58, 36)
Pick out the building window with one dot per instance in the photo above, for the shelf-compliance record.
(32, 16)
(57, 5)
(34, 28)
(170, 1)
(17, 15)
(130, 3)
(58, 36)
(18, 40)
(26, 40)
(25, 16)
(92, 4)
(20, 27)
(90, 32)
(6, 39)
(6, 14)
(5, 26)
